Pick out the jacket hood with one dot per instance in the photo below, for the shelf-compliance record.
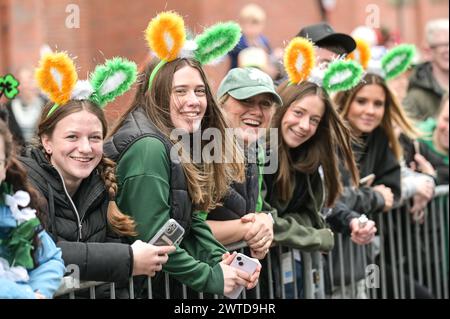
(42, 173)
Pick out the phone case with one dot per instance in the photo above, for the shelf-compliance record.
(170, 234)
(246, 264)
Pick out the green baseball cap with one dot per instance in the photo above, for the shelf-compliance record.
(242, 83)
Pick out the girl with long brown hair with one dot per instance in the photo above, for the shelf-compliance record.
(312, 140)
(160, 178)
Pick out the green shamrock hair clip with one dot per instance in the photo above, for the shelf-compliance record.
(8, 86)
(166, 37)
(57, 77)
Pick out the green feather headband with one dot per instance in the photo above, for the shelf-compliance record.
(342, 75)
(57, 77)
(394, 62)
(8, 86)
(166, 37)
(397, 60)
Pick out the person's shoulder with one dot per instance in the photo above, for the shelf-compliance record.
(146, 154)
(149, 143)
(147, 148)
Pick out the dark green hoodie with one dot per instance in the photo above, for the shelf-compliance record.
(298, 222)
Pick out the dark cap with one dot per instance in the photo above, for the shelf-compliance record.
(322, 34)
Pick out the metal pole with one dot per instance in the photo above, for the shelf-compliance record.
(409, 251)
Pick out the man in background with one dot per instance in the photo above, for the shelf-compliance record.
(429, 80)
(329, 44)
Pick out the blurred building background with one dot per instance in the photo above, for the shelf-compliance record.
(115, 27)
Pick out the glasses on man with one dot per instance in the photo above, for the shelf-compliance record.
(439, 46)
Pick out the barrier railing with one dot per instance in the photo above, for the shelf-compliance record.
(406, 258)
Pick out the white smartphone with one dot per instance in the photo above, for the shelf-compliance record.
(170, 234)
(246, 264)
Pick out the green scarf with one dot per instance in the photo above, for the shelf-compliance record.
(19, 244)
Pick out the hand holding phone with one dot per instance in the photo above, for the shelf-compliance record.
(246, 264)
(170, 234)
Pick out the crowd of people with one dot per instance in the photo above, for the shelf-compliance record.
(75, 194)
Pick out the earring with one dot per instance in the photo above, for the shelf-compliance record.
(49, 151)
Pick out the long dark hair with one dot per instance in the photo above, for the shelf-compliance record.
(207, 182)
(331, 140)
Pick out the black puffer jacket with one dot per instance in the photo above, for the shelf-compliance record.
(373, 156)
(82, 231)
(241, 198)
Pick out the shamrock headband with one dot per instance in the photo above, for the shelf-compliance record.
(58, 78)
(299, 62)
(8, 86)
(392, 64)
(166, 36)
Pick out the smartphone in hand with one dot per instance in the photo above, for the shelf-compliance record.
(244, 263)
(170, 234)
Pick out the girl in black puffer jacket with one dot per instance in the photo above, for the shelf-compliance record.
(68, 167)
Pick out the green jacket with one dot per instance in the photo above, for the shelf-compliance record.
(424, 93)
(143, 175)
(299, 223)
(427, 127)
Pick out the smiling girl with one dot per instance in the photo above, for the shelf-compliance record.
(78, 182)
(153, 187)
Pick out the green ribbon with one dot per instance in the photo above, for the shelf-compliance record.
(19, 244)
(53, 109)
(202, 214)
(155, 70)
(261, 161)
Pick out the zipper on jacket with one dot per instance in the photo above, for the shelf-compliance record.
(73, 206)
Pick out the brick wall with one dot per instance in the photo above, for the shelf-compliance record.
(115, 27)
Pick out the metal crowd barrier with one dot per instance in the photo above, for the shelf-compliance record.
(407, 257)
(406, 254)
